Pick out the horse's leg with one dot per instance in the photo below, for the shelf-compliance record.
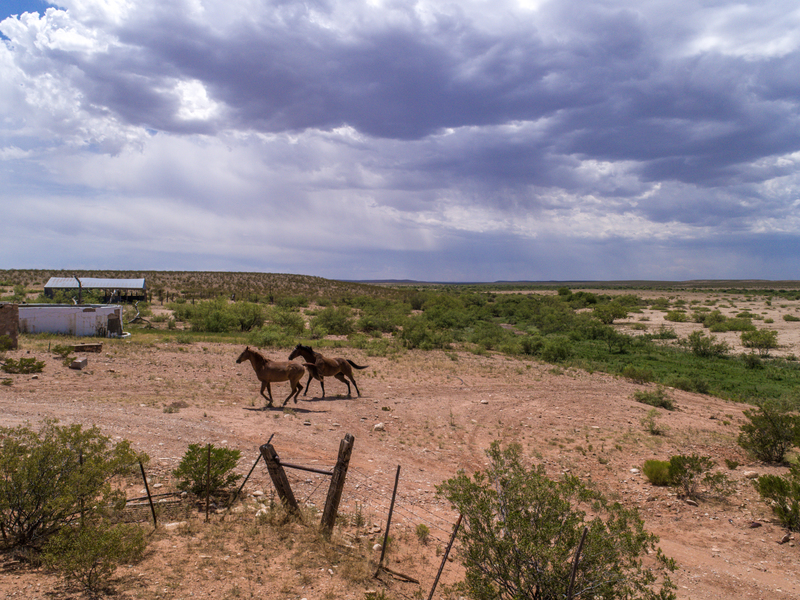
(265, 384)
(341, 378)
(308, 383)
(355, 384)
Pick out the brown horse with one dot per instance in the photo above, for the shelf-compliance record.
(320, 366)
(272, 371)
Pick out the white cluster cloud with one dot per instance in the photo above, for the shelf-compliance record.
(434, 140)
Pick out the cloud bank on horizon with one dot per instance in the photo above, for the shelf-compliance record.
(448, 141)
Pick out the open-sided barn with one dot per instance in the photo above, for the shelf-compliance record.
(114, 290)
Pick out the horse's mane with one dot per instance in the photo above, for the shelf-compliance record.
(306, 348)
(259, 357)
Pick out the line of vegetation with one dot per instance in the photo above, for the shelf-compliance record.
(572, 328)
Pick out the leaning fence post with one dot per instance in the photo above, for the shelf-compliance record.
(208, 479)
(446, 554)
(279, 478)
(337, 484)
(388, 522)
(149, 497)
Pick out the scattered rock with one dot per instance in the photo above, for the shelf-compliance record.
(754, 524)
(750, 475)
(377, 547)
(785, 538)
(691, 502)
(379, 427)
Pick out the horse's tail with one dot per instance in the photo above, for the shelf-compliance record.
(355, 366)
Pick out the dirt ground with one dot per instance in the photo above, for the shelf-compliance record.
(431, 413)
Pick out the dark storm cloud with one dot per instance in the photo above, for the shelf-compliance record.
(457, 137)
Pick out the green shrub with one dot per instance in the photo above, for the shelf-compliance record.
(6, 343)
(607, 313)
(423, 533)
(23, 366)
(688, 473)
(690, 384)
(48, 478)
(420, 333)
(676, 316)
(556, 349)
(737, 324)
(658, 398)
(706, 346)
(521, 530)
(790, 318)
(651, 424)
(773, 429)
(292, 323)
(532, 345)
(89, 554)
(762, 340)
(657, 471)
(334, 320)
(636, 374)
(784, 496)
(193, 471)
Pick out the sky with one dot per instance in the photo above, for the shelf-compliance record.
(438, 141)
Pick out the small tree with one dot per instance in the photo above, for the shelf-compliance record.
(90, 554)
(773, 429)
(706, 346)
(688, 473)
(784, 496)
(761, 340)
(193, 470)
(522, 530)
(54, 477)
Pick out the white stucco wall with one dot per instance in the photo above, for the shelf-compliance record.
(84, 320)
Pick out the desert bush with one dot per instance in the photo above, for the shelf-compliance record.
(658, 398)
(90, 553)
(773, 429)
(556, 348)
(23, 366)
(761, 340)
(423, 533)
(791, 318)
(607, 313)
(521, 530)
(651, 424)
(290, 322)
(690, 384)
(657, 471)
(193, 471)
(676, 316)
(248, 315)
(735, 324)
(333, 320)
(419, 333)
(6, 343)
(49, 478)
(688, 473)
(532, 344)
(638, 374)
(783, 494)
(706, 346)
(488, 335)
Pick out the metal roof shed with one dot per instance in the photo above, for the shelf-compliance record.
(130, 289)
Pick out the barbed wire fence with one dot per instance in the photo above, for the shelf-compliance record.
(369, 501)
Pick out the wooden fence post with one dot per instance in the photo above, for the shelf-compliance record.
(337, 484)
(279, 478)
(149, 497)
